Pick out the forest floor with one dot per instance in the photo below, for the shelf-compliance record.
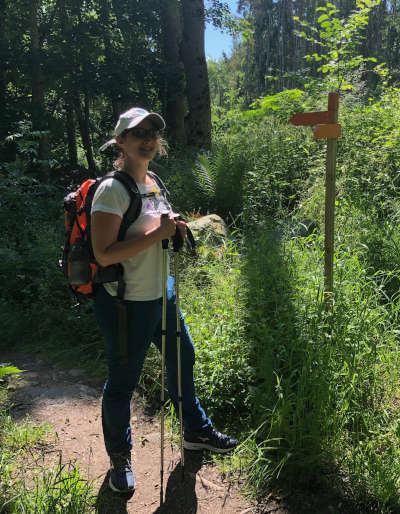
(71, 402)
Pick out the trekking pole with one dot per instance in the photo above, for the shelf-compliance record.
(163, 340)
(179, 360)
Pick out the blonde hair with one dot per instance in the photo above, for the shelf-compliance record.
(162, 149)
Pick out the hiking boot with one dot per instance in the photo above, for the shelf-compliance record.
(211, 440)
(121, 474)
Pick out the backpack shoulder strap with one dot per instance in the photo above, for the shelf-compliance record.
(135, 205)
(159, 182)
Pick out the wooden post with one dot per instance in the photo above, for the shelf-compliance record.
(326, 127)
(330, 195)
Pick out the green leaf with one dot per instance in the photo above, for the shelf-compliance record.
(323, 17)
(9, 370)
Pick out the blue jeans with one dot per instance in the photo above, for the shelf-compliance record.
(144, 327)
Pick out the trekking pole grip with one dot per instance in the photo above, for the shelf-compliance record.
(164, 241)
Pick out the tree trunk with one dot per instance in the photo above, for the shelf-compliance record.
(261, 45)
(38, 109)
(72, 148)
(3, 68)
(175, 101)
(198, 121)
(117, 109)
(107, 11)
(268, 57)
(83, 120)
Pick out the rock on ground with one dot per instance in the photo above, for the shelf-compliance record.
(209, 229)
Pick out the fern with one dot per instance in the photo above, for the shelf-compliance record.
(205, 176)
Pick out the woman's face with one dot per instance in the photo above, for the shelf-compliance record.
(138, 148)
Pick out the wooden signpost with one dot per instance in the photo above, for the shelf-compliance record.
(325, 126)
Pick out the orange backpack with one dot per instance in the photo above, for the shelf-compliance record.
(78, 261)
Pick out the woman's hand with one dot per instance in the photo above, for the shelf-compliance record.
(182, 227)
(167, 226)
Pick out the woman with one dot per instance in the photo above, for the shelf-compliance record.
(138, 135)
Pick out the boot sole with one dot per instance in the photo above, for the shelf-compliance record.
(188, 445)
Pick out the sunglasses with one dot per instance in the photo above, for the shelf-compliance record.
(143, 133)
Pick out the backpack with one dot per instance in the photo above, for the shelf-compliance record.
(78, 262)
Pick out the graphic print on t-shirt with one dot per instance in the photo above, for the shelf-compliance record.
(155, 203)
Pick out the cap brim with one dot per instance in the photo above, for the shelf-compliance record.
(152, 116)
(109, 143)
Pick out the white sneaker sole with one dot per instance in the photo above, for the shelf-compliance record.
(188, 445)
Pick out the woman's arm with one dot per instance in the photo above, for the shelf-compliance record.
(108, 250)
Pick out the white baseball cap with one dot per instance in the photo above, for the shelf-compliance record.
(130, 119)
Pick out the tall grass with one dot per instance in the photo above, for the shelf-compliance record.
(326, 402)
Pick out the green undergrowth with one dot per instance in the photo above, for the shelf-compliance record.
(312, 394)
(327, 388)
(211, 301)
(38, 312)
(28, 483)
(214, 305)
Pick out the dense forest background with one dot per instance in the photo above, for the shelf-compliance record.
(69, 68)
(312, 394)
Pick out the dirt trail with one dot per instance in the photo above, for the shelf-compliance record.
(67, 400)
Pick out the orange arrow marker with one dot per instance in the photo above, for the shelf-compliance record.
(312, 118)
(328, 131)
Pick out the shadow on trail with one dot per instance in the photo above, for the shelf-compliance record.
(180, 496)
(110, 502)
(44, 383)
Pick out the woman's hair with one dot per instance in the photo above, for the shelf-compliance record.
(162, 149)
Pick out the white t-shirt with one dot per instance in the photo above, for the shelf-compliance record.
(143, 272)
